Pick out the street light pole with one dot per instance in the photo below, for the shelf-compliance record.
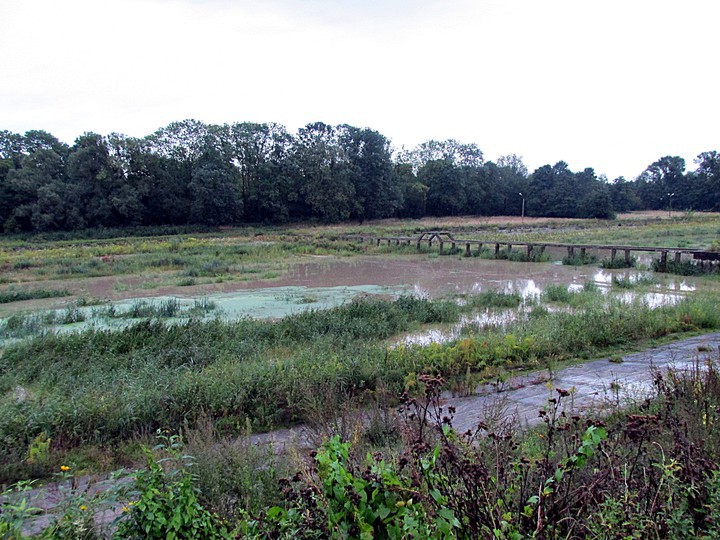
(522, 215)
(670, 196)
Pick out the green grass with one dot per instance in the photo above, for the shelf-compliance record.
(18, 295)
(101, 387)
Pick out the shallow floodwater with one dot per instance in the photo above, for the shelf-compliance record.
(328, 282)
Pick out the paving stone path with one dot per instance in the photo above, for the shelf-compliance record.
(594, 386)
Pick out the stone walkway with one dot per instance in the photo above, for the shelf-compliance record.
(594, 386)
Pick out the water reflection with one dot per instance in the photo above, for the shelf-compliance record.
(328, 282)
(652, 300)
(485, 320)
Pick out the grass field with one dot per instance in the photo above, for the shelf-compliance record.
(96, 395)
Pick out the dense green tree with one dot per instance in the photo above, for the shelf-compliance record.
(215, 195)
(623, 195)
(181, 144)
(161, 198)
(597, 204)
(35, 140)
(513, 180)
(706, 195)
(370, 166)
(459, 154)
(260, 153)
(41, 172)
(107, 199)
(325, 175)
(447, 195)
(12, 148)
(194, 172)
(550, 192)
(662, 181)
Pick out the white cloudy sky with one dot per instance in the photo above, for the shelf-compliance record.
(612, 84)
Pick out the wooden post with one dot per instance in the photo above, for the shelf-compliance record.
(613, 252)
(529, 251)
(678, 257)
(497, 249)
(452, 246)
(571, 252)
(467, 249)
(378, 241)
(441, 246)
(663, 261)
(627, 257)
(582, 253)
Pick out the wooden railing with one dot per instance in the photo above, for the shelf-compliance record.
(442, 238)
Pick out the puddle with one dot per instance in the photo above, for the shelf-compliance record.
(653, 300)
(328, 282)
(480, 321)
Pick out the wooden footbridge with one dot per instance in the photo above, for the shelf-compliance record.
(443, 239)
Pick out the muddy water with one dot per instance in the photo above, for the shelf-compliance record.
(327, 282)
(434, 277)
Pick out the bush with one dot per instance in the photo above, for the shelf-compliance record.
(167, 505)
(618, 262)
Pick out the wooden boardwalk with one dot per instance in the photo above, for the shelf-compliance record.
(443, 239)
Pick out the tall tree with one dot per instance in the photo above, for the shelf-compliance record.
(215, 196)
(327, 188)
(260, 152)
(42, 172)
(371, 171)
(447, 195)
(663, 183)
(623, 195)
(459, 154)
(706, 195)
(108, 200)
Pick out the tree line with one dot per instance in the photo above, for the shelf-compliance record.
(190, 172)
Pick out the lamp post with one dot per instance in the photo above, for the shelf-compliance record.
(522, 215)
(670, 196)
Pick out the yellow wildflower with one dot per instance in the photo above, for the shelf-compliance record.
(83, 507)
(64, 468)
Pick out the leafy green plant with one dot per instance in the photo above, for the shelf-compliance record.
(167, 504)
(15, 509)
(618, 262)
(579, 259)
(39, 450)
(557, 293)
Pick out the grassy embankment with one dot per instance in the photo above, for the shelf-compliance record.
(99, 388)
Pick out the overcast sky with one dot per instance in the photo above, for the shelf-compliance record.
(611, 84)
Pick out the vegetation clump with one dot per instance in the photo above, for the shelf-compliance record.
(579, 259)
(648, 470)
(100, 387)
(618, 262)
(685, 268)
(18, 295)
